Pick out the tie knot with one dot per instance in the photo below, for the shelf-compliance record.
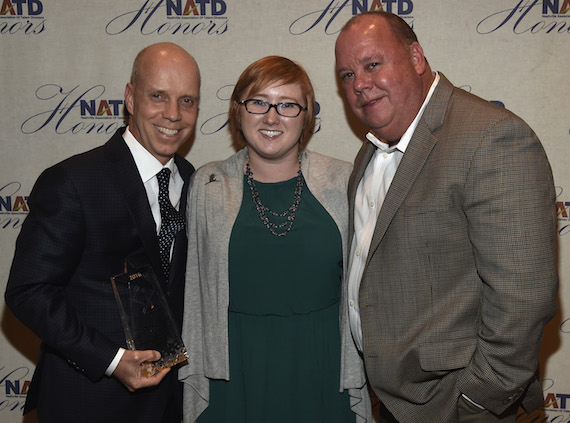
(163, 178)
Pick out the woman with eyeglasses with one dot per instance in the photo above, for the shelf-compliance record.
(267, 234)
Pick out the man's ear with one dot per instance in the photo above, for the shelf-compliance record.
(129, 93)
(418, 59)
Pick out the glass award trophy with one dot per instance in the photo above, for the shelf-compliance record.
(147, 320)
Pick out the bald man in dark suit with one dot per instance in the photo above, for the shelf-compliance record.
(88, 214)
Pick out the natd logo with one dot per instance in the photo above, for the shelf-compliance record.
(21, 16)
(530, 17)
(553, 8)
(562, 213)
(337, 12)
(75, 110)
(16, 384)
(195, 7)
(556, 401)
(100, 108)
(13, 206)
(173, 17)
(16, 388)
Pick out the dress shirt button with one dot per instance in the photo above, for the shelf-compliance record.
(372, 203)
(351, 303)
(385, 155)
(358, 253)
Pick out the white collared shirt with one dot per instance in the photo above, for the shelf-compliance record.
(148, 166)
(370, 195)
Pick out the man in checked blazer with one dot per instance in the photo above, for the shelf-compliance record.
(88, 214)
(453, 271)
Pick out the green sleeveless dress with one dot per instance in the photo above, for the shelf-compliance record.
(284, 342)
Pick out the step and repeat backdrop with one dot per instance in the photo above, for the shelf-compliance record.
(64, 65)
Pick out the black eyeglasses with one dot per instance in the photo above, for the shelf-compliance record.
(260, 107)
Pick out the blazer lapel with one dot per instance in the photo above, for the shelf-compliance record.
(420, 146)
(414, 158)
(127, 178)
(178, 260)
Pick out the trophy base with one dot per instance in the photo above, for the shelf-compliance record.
(150, 369)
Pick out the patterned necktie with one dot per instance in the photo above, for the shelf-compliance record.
(172, 220)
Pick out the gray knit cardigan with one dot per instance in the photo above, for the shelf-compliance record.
(214, 201)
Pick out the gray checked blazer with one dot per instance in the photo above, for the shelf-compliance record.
(462, 274)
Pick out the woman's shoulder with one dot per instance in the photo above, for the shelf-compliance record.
(321, 165)
(221, 168)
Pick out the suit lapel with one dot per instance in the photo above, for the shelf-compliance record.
(127, 178)
(178, 260)
(414, 159)
(416, 154)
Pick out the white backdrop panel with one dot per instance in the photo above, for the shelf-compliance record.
(64, 66)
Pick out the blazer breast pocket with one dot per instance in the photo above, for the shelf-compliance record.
(427, 206)
(436, 223)
(446, 355)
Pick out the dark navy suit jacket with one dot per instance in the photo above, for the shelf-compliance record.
(87, 215)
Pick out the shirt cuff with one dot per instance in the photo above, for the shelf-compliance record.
(115, 362)
(473, 402)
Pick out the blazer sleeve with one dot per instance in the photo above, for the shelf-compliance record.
(47, 254)
(510, 209)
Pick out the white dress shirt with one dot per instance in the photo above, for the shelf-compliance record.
(370, 195)
(148, 166)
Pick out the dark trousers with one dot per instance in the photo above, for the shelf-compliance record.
(386, 416)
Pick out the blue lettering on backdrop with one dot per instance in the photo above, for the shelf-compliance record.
(318, 119)
(563, 216)
(565, 326)
(63, 102)
(403, 7)
(217, 7)
(28, 28)
(13, 207)
(328, 16)
(175, 7)
(10, 222)
(307, 22)
(563, 398)
(549, 6)
(498, 103)
(106, 107)
(521, 19)
(555, 6)
(15, 384)
(34, 7)
(209, 21)
(21, 16)
(219, 121)
(556, 404)
(9, 201)
(564, 229)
